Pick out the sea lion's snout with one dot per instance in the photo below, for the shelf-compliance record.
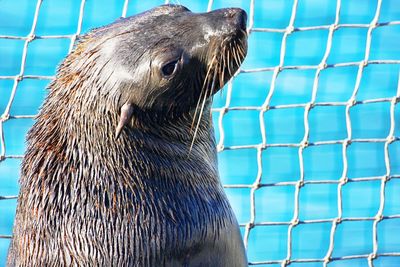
(239, 18)
(235, 19)
(225, 23)
(226, 38)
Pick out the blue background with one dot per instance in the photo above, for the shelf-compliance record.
(242, 127)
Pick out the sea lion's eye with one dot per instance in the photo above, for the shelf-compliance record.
(169, 68)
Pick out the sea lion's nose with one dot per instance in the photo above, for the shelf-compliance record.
(222, 23)
(229, 20)
(237, 17)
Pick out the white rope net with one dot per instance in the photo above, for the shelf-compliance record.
(299, 185)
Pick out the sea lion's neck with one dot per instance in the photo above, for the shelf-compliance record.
(89, 128)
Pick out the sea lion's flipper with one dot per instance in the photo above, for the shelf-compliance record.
(126, 115)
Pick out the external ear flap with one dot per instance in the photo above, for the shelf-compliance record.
(126, 116)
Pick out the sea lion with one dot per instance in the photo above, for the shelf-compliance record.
(121, 166)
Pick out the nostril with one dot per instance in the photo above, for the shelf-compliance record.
(229, 14)
(232, 12)
(239, 16)
(234, 19)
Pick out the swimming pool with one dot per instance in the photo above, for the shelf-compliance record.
(308, 132)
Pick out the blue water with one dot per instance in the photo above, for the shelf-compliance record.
(242, 127)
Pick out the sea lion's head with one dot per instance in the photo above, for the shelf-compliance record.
(168, 60)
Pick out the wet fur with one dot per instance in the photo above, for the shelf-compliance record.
(90, 199)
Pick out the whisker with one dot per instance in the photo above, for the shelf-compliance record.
(205, 84)
(238, 59)
(202, 109)
(223, 67)
(235, 56)
(223, 74)
(221, 70)
(241, 50)
(197, 107)
(228, 62)
(198, 122)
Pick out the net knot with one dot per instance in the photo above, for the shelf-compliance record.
(337, 221)
(285, 262)
(289, 29)
(250, 225)
(378, 217)
(304, 144)
(30, 37)
(372, 256)
(386, 178)
(322, 66)
(347, 142)
(373, 24)
(220, 147)
(343, 180)
(4, 117)
(327, 259)
(352, 102)
(364, 63)
(256, 185)
(390, 139)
